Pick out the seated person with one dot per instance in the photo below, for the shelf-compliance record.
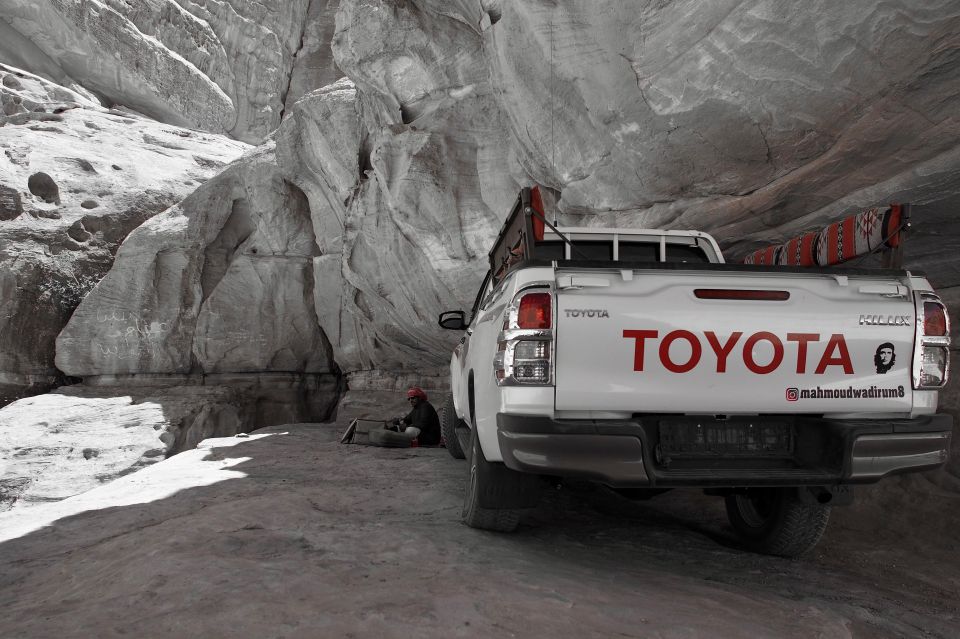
(422, 422)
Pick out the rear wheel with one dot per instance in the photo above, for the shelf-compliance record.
(774, 521)
(448, 427)
(482, 487)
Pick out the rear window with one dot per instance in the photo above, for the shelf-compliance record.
(602, 251)
(550, 250)
(689, 254)
(628, 251)
(639, 251)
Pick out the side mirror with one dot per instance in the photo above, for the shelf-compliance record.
(452, 320)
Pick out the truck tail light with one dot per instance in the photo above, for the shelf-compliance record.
(531, 361)
(934, 319)
(531, 350)
(525, 347)
(933, 367)
(931, 362)
(741, 294)
(534, 311)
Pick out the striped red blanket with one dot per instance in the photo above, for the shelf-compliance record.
(841, 241)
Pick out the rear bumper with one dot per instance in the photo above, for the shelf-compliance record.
(626, 452)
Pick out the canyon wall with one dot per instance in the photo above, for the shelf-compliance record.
(369, 202)
(75, 179)
(225, 67)
(751, 120)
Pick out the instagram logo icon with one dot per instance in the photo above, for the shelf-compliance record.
(793, 394)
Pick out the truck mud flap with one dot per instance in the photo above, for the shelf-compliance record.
(501, 487)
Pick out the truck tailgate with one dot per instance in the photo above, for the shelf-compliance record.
(685, 341)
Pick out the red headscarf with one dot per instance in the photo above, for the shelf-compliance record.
(416, 391)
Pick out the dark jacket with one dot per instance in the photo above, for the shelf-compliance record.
(424, 417)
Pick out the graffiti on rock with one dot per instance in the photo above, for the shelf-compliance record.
(132, 335)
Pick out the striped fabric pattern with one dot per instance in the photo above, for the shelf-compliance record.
(839, 242)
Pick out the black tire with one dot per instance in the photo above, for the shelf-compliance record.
(774, 521)
(475, 516)
(448, 427)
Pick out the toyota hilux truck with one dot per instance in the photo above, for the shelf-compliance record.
(639, 359)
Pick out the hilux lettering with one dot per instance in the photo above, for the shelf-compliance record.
(835, 353)
(884, 320)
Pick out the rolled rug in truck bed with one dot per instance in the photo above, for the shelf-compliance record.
(839, 242)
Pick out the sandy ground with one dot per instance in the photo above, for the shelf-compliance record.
(289, 534)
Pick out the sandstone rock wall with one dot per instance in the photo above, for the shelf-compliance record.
(106, 173)
(284, 251)
(221, 283)
(751, 119)
(217, 65)
(735, 118)
(313, 65)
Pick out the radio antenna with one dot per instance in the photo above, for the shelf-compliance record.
(553, 141)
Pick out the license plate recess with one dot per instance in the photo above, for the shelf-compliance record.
(740, 437)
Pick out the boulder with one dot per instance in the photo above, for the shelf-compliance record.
(11, 204)
(44, 187)
(220, 283)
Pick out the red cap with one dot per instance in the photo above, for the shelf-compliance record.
(416, 391)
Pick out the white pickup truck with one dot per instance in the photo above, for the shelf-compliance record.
(639, 359)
